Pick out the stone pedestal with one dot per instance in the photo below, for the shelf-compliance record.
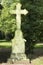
(18, 43)
(18, 47)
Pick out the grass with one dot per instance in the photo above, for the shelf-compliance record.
(5, 44)
(38, 61)
(39, 45)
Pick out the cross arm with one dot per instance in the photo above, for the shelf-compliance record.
(24, 11)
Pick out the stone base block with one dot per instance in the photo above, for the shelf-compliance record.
(17, 57)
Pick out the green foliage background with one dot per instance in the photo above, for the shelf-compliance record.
(32, 23)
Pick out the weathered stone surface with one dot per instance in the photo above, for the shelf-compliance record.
(18, 43)
(26, 62)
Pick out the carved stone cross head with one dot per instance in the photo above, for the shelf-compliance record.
(18, 13)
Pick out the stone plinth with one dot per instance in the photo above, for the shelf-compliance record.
(18, 43)
(26, 62)
(18, 47)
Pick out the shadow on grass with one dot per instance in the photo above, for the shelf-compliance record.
(4, 54)
(37, 52)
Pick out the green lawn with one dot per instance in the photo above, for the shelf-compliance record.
(8, 44)
(5, 44)
(39, 45)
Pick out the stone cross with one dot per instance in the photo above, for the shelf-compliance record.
(18, 13)
(18, 43)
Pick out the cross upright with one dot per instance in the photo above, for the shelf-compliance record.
(18, 13)
(18, 42)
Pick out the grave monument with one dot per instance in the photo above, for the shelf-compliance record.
(18, 42)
